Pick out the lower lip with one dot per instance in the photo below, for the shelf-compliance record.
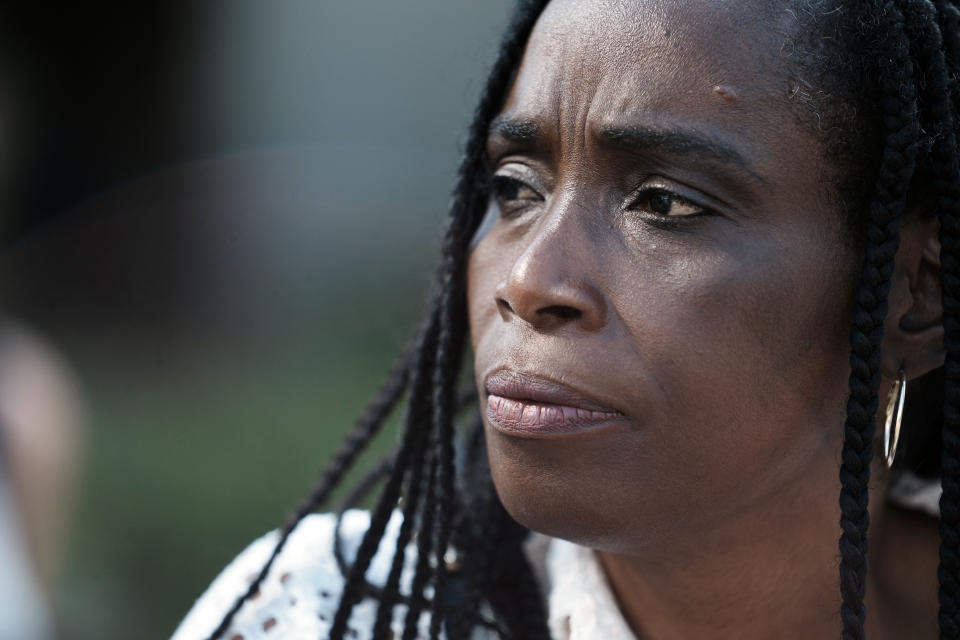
(530, 419)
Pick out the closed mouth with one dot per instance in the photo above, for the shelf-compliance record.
(531, 405)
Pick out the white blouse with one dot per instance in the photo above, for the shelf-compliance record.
(299, 598)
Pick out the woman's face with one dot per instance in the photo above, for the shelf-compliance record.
(659, 309)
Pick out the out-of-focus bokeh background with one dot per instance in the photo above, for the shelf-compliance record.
(218, 227)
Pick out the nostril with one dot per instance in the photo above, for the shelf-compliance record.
(561, 311)
(504, 305)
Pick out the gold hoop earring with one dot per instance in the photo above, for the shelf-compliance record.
(891, 428)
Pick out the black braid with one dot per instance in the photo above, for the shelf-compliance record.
(392, 586)
(901, 130)
(910, 49)
(527, 608)
(481, 531)
(946, 174)
(466, 213)
(468, 199)
(497, 570)
(938, 100)
(376, 475)
(947, 182)
(424, 551)
(948, 19)
(449, 356)
(353, 589)
(364, 431)
(533, 607)
(949, 571)
(419, 484)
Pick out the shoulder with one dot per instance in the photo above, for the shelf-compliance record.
(300, 595)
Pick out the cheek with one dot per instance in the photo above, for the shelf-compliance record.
(731, 360)
(772, 365)
(489, 264)
(750, 353)
(733, 366)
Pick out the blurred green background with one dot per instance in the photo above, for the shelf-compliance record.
(224, 216)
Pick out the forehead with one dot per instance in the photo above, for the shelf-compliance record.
(709, 64)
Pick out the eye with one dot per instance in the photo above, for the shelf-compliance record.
(663, 203)
(513, 195)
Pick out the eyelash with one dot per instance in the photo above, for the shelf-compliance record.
(646, 194)
(506, 189)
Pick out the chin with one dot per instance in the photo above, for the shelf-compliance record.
(605, 493)
(553, 499)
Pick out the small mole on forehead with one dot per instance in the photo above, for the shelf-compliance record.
(726, 93)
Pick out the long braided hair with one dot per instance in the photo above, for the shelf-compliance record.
(899, 74)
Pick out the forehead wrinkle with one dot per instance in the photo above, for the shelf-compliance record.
(627, 49)
(599, 60)
(619, 64)
(595, 61)
(679, 36)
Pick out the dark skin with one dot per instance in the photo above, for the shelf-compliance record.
(665, 239)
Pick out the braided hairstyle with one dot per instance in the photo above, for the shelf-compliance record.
(888, 109)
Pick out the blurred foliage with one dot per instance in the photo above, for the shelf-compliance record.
(232, 207)
(198, 451)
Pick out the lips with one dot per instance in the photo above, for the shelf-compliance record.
(532, 406)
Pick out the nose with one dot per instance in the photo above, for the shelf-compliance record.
(549, 285)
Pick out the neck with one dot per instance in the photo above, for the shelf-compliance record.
(771, 573)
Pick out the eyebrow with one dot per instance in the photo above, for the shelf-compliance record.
(684, 142)
(514, 129)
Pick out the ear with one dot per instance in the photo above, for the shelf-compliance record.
(913, 331)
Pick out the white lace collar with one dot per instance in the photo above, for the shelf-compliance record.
(300, 596)
(581, 604)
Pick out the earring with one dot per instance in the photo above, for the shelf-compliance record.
(891, 428)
